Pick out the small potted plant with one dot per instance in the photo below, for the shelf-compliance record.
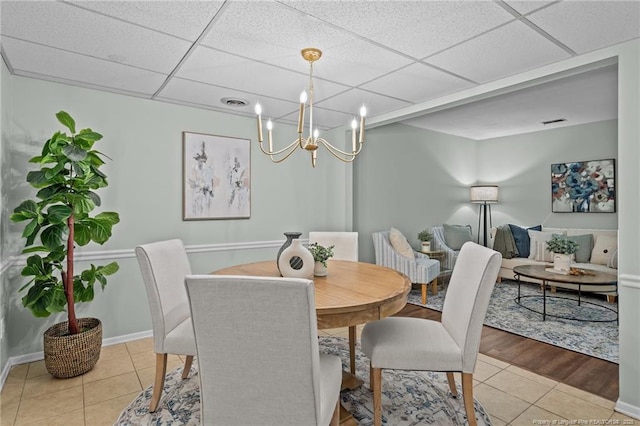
(320, 255)
(425, 236)
(563, 250)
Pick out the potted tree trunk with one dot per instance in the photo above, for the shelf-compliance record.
(58, 219)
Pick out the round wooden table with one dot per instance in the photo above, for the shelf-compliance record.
(352, 293)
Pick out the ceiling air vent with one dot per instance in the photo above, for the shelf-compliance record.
(234, 102)
(557, 120)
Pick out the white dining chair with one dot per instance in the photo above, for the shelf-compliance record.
(345, 248)
(345, 243)
(164, 265)
(258, 355)
(450, 345)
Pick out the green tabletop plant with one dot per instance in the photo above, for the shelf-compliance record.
(59, 218)
(562, 245)
(320, 253)
(425, 235)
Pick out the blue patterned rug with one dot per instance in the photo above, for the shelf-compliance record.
(408, 398)
(597, 339)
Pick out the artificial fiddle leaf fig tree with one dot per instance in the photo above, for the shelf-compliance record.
(59, 218)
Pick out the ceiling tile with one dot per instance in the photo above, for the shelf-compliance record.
(417, 83)
(526, 6)
(223, 69)
(589, 25)
(584, 98)
(350, 102)
(324, 119)
(195, 93)
(284, 32)
(91, 34)
(185, 19)
(27, 58)
(504, 51)
(416, 28)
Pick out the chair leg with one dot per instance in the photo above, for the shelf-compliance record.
(452, 384)
(611, 298)
(434, 286)
(352, 349)
(187, 366)
(467, 395)
(335, 419)
(376, 383)
(424, 294)
(158, 383)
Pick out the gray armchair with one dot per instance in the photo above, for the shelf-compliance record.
(421, 270)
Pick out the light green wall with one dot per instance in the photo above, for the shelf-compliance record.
(521, 166)
(629, 237)
(5, 99)
(144, 140)
(411, 179)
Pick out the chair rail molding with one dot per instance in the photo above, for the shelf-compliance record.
(130, 253)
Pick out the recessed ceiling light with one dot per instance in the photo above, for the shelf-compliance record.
(557, 120)
(234, 102)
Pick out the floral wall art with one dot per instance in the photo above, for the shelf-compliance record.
(583, 187)
(216, 177)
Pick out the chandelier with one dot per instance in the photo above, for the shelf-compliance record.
(313, 140)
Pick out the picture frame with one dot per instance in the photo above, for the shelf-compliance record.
(216, 177)
(583, 187)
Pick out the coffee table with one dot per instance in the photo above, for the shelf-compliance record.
(539, 272)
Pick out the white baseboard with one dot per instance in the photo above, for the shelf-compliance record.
(37, 356)
(627, 409)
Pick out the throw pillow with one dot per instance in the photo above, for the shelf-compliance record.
(521, 237)
(613, 262)
(456, 235)
(585, 246)
(603, 249)
(400, 244)
(538, 246)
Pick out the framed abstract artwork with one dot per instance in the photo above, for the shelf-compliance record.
(216, 177)
(583, 187)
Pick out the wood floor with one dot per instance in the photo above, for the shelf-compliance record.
(581, 371)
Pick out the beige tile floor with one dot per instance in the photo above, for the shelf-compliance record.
(30, 396)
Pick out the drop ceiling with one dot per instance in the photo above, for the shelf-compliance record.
(386, 54)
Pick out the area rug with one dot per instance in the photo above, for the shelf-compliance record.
(597, 339)
(408, 398)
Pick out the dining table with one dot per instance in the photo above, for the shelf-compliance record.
(351, 294)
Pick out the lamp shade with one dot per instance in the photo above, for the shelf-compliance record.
(484, 194)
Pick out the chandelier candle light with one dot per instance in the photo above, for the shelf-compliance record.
(311, 142)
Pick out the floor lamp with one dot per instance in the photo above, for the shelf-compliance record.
(485, 195)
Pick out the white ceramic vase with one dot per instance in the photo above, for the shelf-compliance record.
(562, 262)
(426, 246)
(301, 267)
(319, 269)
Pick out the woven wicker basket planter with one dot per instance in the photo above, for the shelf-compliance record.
(68, 355)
